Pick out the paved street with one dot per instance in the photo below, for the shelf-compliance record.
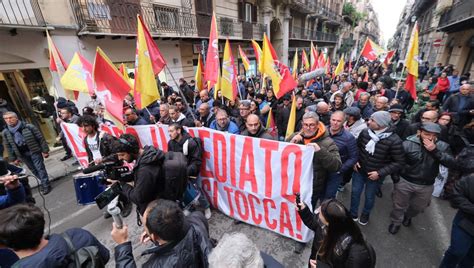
(421, 245)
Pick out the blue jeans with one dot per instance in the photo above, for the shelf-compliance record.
(359, 181)
(461, 251)
(334, 180)
(35, 163)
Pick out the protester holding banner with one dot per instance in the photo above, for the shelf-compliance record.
(255, 129)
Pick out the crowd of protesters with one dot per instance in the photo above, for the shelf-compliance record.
(364, 127)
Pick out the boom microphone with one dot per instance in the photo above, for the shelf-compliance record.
(311, 75)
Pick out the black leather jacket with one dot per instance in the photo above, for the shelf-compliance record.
(421, 166)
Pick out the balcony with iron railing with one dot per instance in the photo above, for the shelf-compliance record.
(299, 33)
(459, 17)
(101, 17)
(305, 6)
(21, 14)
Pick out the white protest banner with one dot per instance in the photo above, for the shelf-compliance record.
(249, 179)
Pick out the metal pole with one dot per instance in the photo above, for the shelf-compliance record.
(181, 93)
(400, 78)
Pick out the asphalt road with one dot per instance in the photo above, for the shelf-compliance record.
(421, 245)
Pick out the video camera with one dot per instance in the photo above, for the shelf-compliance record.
(111, 170)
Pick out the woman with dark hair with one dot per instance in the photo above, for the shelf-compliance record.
(432, 89)
(338, 241)
(338, 104)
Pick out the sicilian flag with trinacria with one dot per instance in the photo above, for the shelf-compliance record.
(371, 50)
(245, 60)
(271, 126)
(78, 76)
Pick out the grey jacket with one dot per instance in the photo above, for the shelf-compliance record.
(33, 138)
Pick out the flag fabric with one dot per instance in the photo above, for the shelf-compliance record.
(371, 50)
(271, 126)
(340, 67)
(295, 65)
(280, 74)
(388, 58)
(199, 76)
(304, 60)
(148, 63)
(78, 76)
(58, 66)
(229, 74)
(212, 61)
(257, 50)
(328, 66)
(314, 57)
(321, 60)
(217, 85)
(245, 60)
(111, 87)
(290, 129)
(411, 62)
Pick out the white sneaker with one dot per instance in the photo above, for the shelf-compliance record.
(207, 213)
(186, 212)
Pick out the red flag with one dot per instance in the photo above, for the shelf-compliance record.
(157, 60)
(388, 58)
(212, 60)
(314, 57)
(111, 87)
(271, 126)
(368, 51)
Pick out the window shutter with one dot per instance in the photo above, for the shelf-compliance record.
(254, 13)
(241, 10)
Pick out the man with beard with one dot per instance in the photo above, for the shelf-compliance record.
(255, 129)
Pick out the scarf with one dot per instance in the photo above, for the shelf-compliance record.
(16, 132)
(319, 133)
(375, 137)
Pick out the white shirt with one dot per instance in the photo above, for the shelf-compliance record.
(94, 147)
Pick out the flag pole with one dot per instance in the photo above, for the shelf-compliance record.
(177, 86)
(399, 79)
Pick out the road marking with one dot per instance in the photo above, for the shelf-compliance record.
(71, 216)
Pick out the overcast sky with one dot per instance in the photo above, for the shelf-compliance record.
(388, 14)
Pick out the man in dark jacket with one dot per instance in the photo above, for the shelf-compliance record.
(179, 241)
(347, 146)
(283, 115)
(412, 193)
(428, 116)
(366, 109)
(147, 182)
(223, 123)
(205, 116)
(461, 105)
(132, 117)
(380, 154)
(177, 117)
(67, 116)
(22, 229)
(461, 250)
(25, 143)
(326, 154)
(255, 128)
(244, 112)
(398, 122)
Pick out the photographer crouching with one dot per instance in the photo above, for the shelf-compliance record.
(147, 184)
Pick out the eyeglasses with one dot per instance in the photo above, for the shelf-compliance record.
(309, 125)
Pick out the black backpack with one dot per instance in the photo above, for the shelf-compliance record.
(85, 257)
(175, 173)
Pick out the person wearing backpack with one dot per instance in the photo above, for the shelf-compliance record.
(180, 141)
(22, 230)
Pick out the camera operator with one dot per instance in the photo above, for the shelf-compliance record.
(98, 146)
(147, 183)
(180, 241)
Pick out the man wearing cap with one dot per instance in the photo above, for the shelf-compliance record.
(354, 123)
(396, 113)
(412, 193)
(380, 154)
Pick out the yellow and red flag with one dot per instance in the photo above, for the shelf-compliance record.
(229, 74)
(295, 65)
(212, 61)
(148, 63)
(328, 66)
(371, 50)
(314, 57)
(411, 62)
(257, 50)
(245, 60)
(290, 129)
(58, 66)
(282, 79)
(304, 60)
(111, 87)
(271, 126)
(199, 76)
(78, 76)
(388, 58)
(321, 60)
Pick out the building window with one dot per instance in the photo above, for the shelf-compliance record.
(98, 11)
(166, 17)
(248, 12)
